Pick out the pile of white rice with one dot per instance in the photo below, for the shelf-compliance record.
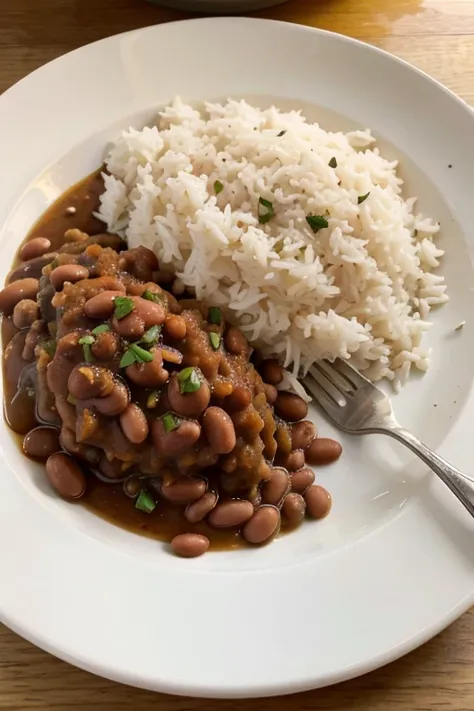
(362, 288)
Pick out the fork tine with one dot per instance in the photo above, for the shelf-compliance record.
(335, 377)
(322, 398)
(350, 373)
(327, 383)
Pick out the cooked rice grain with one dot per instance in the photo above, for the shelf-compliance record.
(362, 288)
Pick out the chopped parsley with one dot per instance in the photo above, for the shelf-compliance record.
(145, 502)
(215, 340)
(189, 380)
(170, 422)
(265, 211)
(215, 315)
(317, 222)
(100, 329)
(86, 342)
(123, 306)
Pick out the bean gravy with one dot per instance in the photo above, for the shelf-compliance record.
(74, 209)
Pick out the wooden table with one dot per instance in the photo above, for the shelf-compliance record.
(435, 35)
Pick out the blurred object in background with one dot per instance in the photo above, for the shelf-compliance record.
(219, 6)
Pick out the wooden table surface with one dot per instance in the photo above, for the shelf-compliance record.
(435, 35)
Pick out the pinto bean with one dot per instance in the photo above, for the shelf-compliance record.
(276, 487)
(228, 514)
(41, 442)
(75, 235)
(89, 454)
(175, 327)
(134, 424)
(25, 313)
(111, 469)
(290, 407)
(235, 341)
(199, 509)
(132, 486)
(141, 262)
(263, 526)
(302, 434)
(132, 326)
(105, 346)
(238, 400)
(189, 545)
(67, 272)
(171, 355)
(295, 460)
(148, 375)
(152, 314)
(15, 292)
(86, 381)
(185, 490)
(104, 283)
(174, 443)
(294, 508)
(114, 403)
(34, 248)
(323, 451)
(188, 404)
(65, 476)
(271, 393)
(302, 480)
(32, 268)
(271, 371)
(101, 305)
(219, 430)
(318, 501)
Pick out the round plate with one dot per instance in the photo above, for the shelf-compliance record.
(394, 562)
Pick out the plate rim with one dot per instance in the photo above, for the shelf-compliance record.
(350, 672)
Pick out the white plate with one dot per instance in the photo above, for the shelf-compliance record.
(394, 562)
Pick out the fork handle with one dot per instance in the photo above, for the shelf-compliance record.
(460, 485)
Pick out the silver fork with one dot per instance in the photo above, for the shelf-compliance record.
(356, 406)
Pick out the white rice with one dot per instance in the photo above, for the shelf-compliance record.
(362, 288)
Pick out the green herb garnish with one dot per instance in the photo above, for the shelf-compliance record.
(333, 163)
(153, 399)
(145, 502)
(100, 329)
(189, 380)
(152, 335)
(215, 315)
(123, 306)
(218, 187)
(265, 211)
(282, 133)
(317, 222)
(135, 354)
(170, 422)
(71, 399)
(215, 340)
(86, 342)
(128, 358)
(141, 355)
(361, 198)
(156, 297)
(49, 347)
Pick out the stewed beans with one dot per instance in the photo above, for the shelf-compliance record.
(153, 398)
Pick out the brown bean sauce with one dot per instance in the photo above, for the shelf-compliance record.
(74, 210)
